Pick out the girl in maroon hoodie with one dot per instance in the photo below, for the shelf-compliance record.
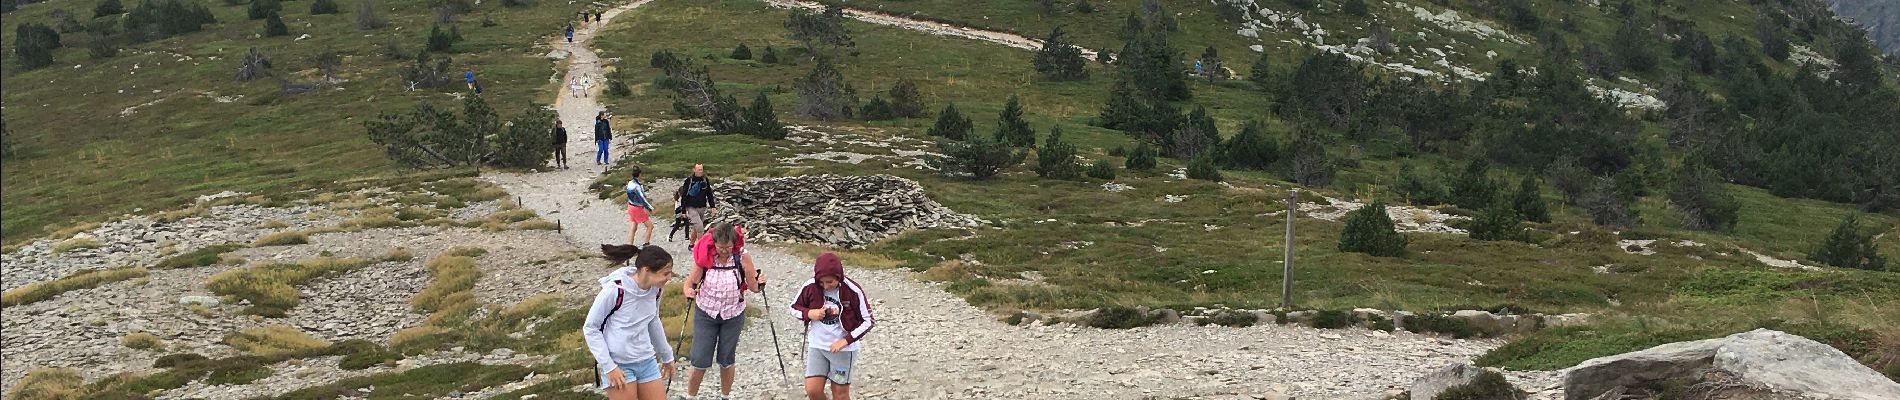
(837, 315)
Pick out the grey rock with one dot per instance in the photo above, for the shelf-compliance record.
(1598, 375)
(1760, 358)
(206, 301)
(1482, 320)
(1165, 316)
(1430, 385)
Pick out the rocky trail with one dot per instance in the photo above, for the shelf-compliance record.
(930, 344)
(934, 28)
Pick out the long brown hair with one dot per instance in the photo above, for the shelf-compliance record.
(650, 258)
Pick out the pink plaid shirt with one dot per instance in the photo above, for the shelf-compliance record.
(719, 293)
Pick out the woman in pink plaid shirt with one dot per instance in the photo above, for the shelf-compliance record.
(718, 288)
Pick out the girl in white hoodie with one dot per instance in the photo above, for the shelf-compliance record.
(623, 327)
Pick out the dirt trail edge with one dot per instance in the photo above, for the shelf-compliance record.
(934, 28)
(928, 344)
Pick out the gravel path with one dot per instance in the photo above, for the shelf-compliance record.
(934, 28)
(930, 344)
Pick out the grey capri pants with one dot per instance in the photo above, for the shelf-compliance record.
(710, 334)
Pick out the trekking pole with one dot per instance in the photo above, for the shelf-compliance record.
(766, 301)
(685, 321)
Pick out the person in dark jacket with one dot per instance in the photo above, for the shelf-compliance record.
(603, 133)
(837, 315)
(560, 145)
(696, 195)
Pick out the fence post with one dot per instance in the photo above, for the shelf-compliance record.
(1286, 272)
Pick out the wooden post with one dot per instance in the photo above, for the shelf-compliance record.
(1286, 271)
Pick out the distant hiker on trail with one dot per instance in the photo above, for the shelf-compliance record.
(560, 145)
(469, 77)
(1197, 68)
(596, 16)
(602, 135)
(623, 329)
(640, 212)
(837, 315)
(570, 32)
(723, 273)
(574, 87)
(696, 194)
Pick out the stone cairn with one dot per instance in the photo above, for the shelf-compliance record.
(841, 211)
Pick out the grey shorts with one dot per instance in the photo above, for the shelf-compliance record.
(715, 339)
(835, 367)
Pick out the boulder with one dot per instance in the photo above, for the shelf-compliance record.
(1262, 317)
(1165, 316)
(1761, 358)
(1301, 317)
(1430, 385)
(1787, 362)
(206, 301)
(1484, 321)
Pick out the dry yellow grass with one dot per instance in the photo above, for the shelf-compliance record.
(143, 341)
(275, 341)
(400, 254)
(414, 335)
(271, 288)
(199, 210)
(76, 244)
(537, 224)
(372, 222)
(282, 239)
(49, 384)
(82, 280)
(74, 230)
(946, 271)
(451, 274)
(511, 216)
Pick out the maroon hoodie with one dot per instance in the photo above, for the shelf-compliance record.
(855, 309)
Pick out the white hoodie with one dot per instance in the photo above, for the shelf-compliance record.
(632, 333)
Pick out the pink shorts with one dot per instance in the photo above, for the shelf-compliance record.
(637, 214)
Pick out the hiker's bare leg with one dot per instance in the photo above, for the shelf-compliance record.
(725, 379)
(648, 238)
(840, 392)
(693, 377)
(815, 388)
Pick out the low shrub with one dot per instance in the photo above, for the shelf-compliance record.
(202, 257)
(282, 239)
(142, 341)
(1119, 318)
(276, 341)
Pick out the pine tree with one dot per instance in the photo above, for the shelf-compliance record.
(274, 26)
(906, 101)
(1848, 247)
(771, 55)
(979, 156)
(1474, 189)
(1260, 74)
(741, 52)
(33, 44)
(1423, 188)
(1251, 149)
(824, 94)
(320, 7)
(1528, 202)
(1309, 163)
(1497, 222)
(1102, 169)
(1059, 60)
(108, 7)
(1056, 159)
(1194, 138)
(261, 9)
(1370, 230)
(439, 40)
(1632, 47)
(1011, 129)
(1355, 8)
(1203, 168)
(761, 121)
(1141, 159)
(1705, 203)
(1122, 111)
(951, 124)
(876, 110)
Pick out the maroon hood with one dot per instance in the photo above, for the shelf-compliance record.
(828, 264)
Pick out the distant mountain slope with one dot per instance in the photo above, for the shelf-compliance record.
(1881, 18)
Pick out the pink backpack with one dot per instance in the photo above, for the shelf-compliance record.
(703, 252)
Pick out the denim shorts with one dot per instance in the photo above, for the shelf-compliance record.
(638, 372)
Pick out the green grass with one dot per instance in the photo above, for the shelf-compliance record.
(430, 381)
(76, 148)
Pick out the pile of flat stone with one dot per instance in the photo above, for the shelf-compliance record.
(832, 210)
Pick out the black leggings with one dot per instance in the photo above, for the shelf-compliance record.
(560, 154)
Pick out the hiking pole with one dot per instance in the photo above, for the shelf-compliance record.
(766, 300)
(685, 322)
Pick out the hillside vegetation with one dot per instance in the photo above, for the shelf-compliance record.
(167, 118)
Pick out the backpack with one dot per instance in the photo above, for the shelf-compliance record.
(620, 296)
(703, 252)
(693, 186)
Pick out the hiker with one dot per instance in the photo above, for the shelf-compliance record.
(469, 77)
(560, 145)
(723, 273)
(1197, 67)
(640, 211)
(837, 315)
(574, 87)
(696, 194)
(602, 134)
(596, 16)
(623, 329)
(570, 32)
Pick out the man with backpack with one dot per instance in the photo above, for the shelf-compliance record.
(560, 144)
(696, 194)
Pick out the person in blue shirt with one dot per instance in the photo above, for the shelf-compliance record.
(603, 133)
(639, 209)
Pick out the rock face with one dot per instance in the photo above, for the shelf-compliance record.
(1432, 384)
(1761, 358)
(842, 211)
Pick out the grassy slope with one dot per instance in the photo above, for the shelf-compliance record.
(84, 161)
